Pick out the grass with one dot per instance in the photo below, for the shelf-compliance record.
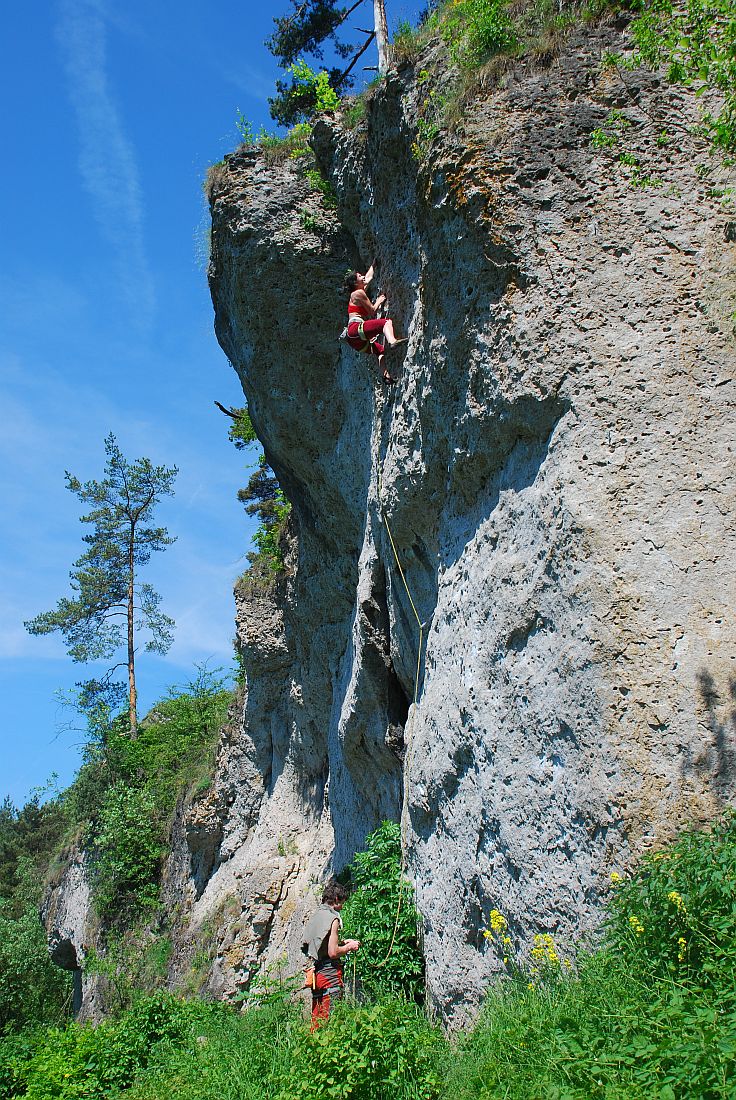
(647, 1014)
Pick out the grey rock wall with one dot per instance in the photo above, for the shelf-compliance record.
(556, 469)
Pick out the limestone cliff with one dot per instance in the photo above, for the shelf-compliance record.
(555, 466)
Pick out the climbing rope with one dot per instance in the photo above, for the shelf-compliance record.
(410, 725)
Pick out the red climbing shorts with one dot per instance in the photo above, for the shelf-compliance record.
(327, 990)
(370, 328)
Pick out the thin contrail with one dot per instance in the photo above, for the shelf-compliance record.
(107, 159)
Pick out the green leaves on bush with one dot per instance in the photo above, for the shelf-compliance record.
(475, 30)
(126, 849)
(696, 43)
(95, 1062)
(651, 1013)
(132, 787)
(676, 918)
(32, 989)
(385, 1050)
(381, 914)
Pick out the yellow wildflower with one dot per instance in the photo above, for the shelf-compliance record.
(616, 878)
(487, 935)
(506, 940)
(498, 921)
(636, 925)
(544, 950)
(681, 948)
(677, 901)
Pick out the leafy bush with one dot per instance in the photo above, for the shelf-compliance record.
(651, 1013)
(386, 1051)
(32, 989)
(132, 787)
(381, 914)
(475, 30)
(675, 919)
(224, 1055)
(695, 44)
(94, 1062)
(126, 850)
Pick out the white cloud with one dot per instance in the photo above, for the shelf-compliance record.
(107, 159)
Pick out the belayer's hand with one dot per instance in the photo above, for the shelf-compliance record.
(352, 945)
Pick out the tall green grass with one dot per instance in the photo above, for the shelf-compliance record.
(649, 1014)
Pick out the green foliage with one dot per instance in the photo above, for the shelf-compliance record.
(406, 43)
(385, 1051)
(268, 537)
(126, 851)
(696, 43)
(306, 30)
(602, 139)
(121, 505)
(354, 113)
(301, 34)
(310, 222)
(28, 837)
(651, 1013)
(308, 94)
(94, 1063)
(381, 914)
(318, 183)
(262, 496)
(32, 989)
(475, 30)
(242, 433)
(676, 918)
(110, 603)
(128, 788)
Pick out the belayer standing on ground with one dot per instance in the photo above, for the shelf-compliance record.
(366, 331)
(325, 952)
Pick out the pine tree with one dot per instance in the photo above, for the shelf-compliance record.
(110, 604)
(304, 32)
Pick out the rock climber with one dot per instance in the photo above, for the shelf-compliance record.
(325, 952)
(366, 331)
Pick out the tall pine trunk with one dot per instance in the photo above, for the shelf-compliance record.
(381, 28)
(132, 696)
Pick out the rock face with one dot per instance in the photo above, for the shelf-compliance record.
(67, 914)
(554, 471)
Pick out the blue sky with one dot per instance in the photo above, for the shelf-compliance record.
(112, 115)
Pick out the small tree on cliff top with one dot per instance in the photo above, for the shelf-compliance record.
(109, 603)
(305, 31)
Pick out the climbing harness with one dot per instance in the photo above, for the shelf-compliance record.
(367, 340)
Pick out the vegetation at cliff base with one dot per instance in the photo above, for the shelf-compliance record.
(647, 1012)
(380, 913)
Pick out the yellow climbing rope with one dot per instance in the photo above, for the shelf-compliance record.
(410, 724)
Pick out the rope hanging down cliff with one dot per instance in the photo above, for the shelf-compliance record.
(408, 737)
